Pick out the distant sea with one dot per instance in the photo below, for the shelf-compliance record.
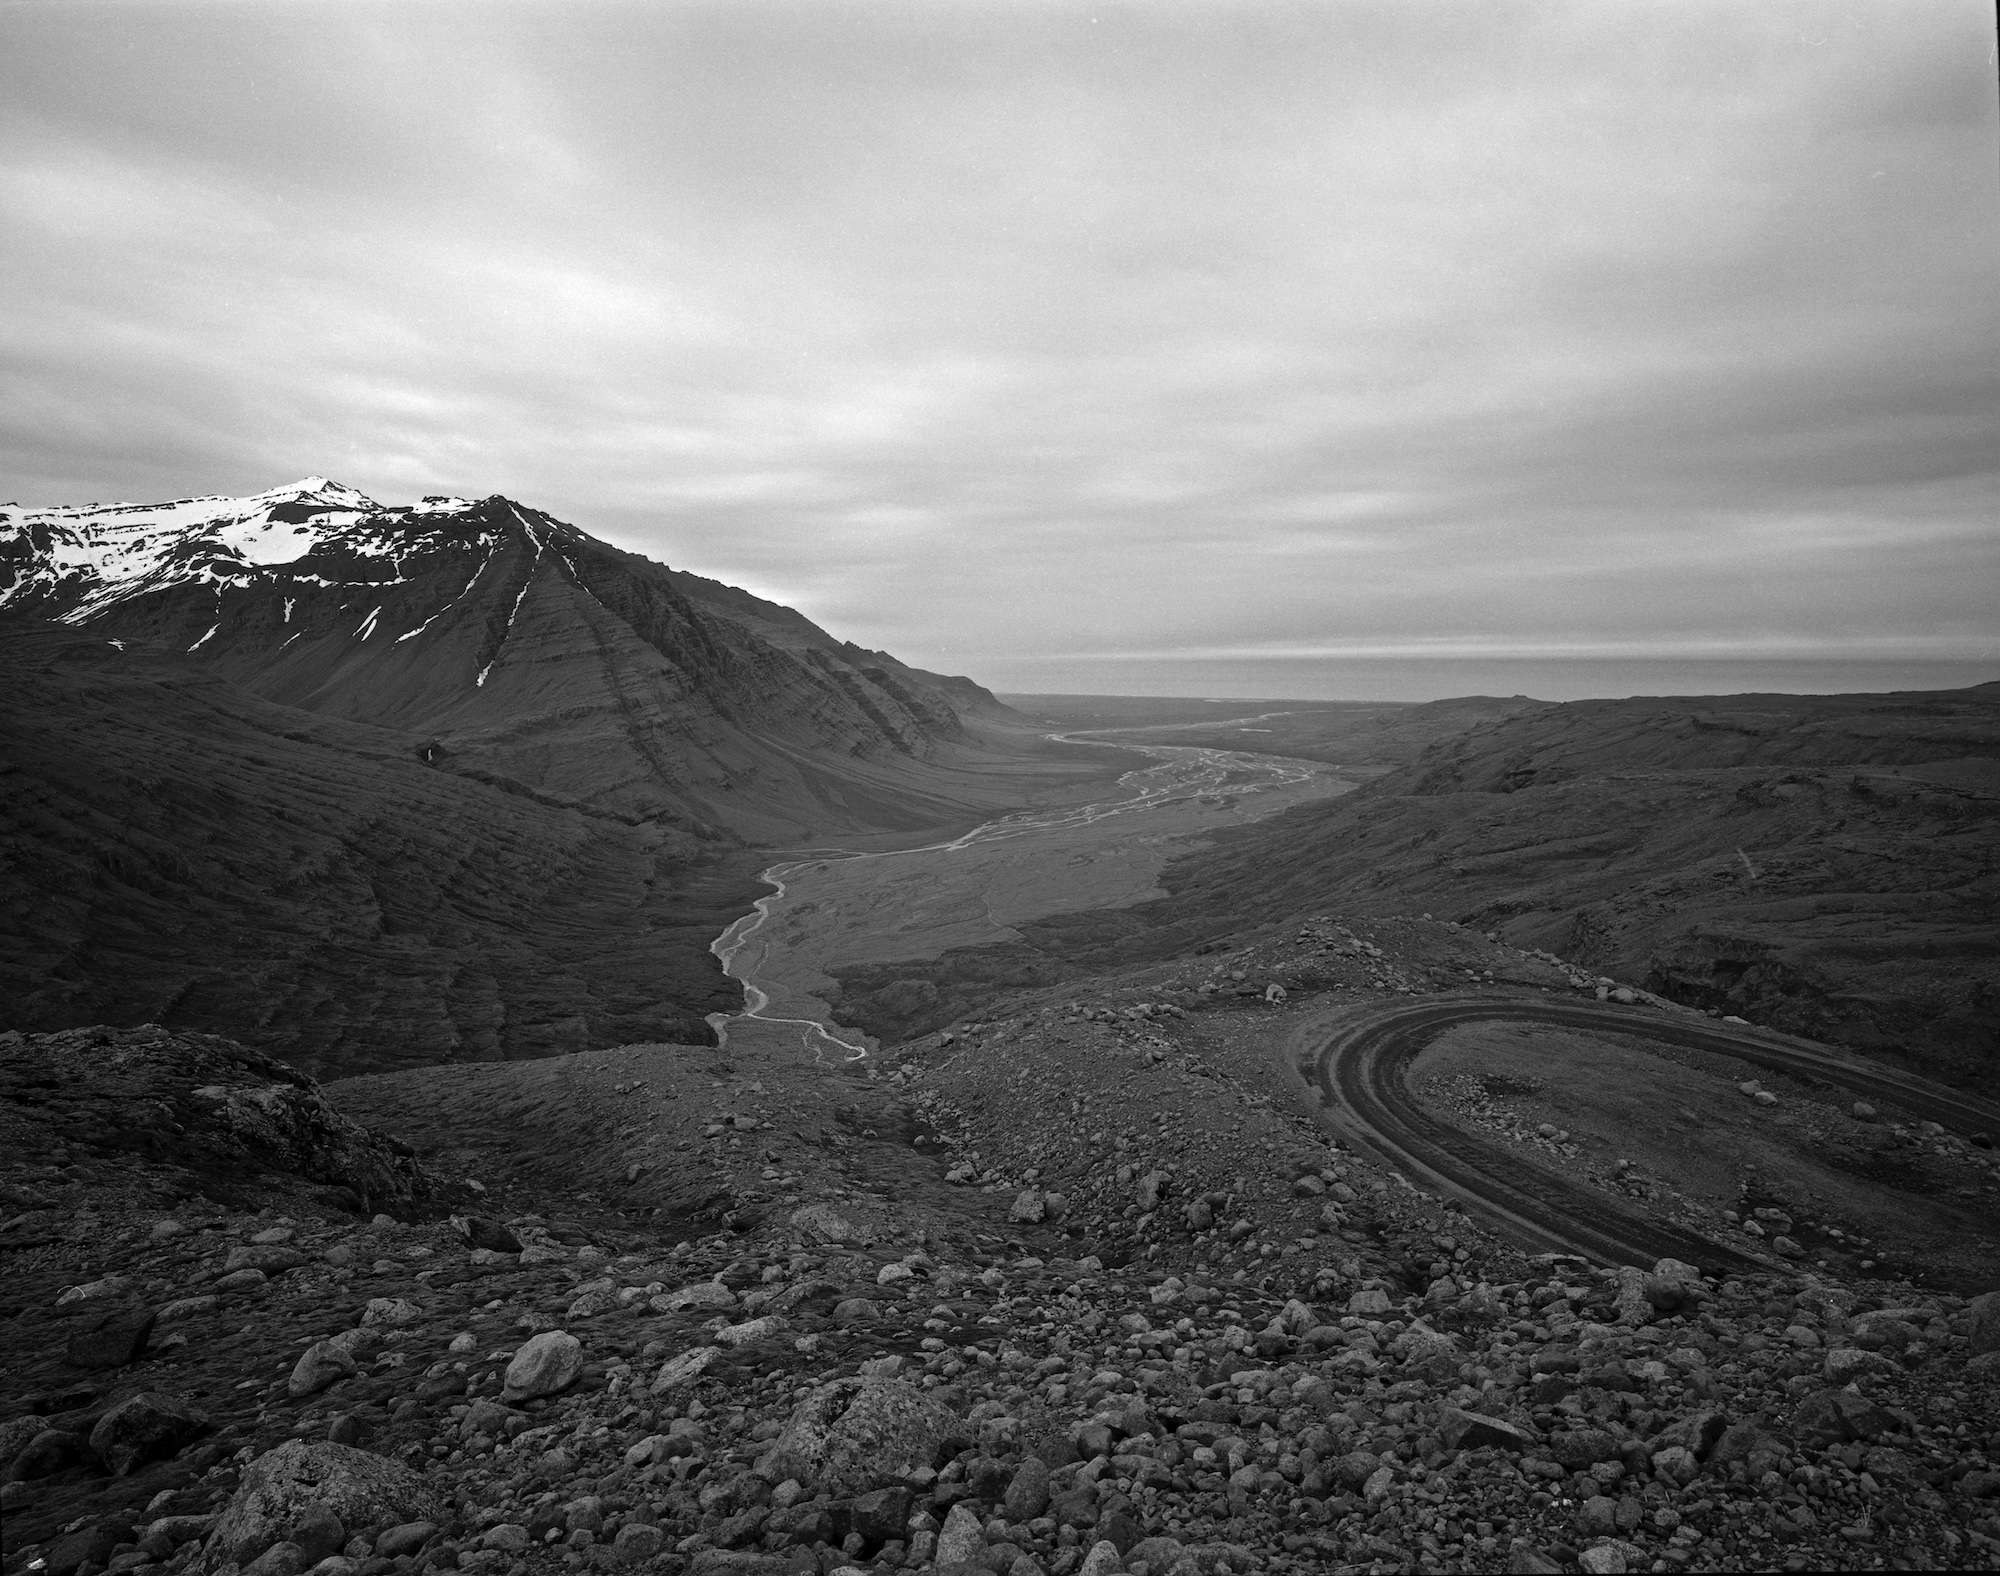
(1435, 678)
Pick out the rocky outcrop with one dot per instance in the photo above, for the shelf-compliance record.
(204, 1106)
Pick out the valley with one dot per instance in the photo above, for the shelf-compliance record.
(516, 1059)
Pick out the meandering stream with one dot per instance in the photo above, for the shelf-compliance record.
(836, 908)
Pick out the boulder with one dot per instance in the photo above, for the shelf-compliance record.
(546, 1364)
(112, 1342)
(826, 1226)
(1462, 1430)
(487, 1234)
(705, 1296)
(144, 1428)
(1028, 1493)
(678, 1372)
(1833, 1417)
(1983, 1322)
(856, 1434)
(280, 1486)
(320, 1365)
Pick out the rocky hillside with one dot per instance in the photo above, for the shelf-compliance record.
(1821, 864)
(1276, 1358)
(517, 645)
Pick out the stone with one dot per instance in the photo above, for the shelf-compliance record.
(1983, 1322)
(183, 1308)
(853, 1435)
(1606, 1560)
(1371, 1302)
(1526, 1560)
(390, 1311)
(1028, 1493)
(1582, 1447)
(1832, 1417)
(825, 1226)
(637, 1542)
(268, 1257)
(241, 1280)
(144, 1428)
(1845, 1364)
(1152, 1189)
(280, 1559)
(1102, 1560)
(1676, 1464)
(1597, 1517)
(855, 1310)
(404, 1538)
(961, 1538)
(487, 1234)
(1750, 1443)
(49, 1451)
(320, 1365)
(678, 1372)
(878, 1516)
(704, 1296)
(114, 1342)
(1462, 1430)
(91, 1291)
(1027, 1209)
(546, 1364)
(277, 1488)
(318, 1532)
(750, 1330)
(92, 1545)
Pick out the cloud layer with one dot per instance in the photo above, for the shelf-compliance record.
(1067, 348)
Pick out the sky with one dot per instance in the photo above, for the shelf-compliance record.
(1340, 349)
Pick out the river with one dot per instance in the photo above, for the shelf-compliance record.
(837, 908)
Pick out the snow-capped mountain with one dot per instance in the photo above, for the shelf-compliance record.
(507, 640)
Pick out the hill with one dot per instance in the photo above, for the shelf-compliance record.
(1820, 864)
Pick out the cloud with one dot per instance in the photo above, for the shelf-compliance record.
(1159, 335)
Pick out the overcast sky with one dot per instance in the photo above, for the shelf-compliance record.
(1169, 348)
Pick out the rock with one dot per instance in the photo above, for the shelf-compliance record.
(1102, 1560)
(94, 1291)
(1845, 1364)
(1675, 1464)
(487, 1234)
(49, 1451)
(1785, 1247)
(961, 1538)
(1748, 1442)
(878, 1517)
(183, 1308)
(855, 1310)
(1199, 1215)
(272, 1259)
(855, 1434)
(1597, 1517)
(1832, 1417)
(280, 1559)
(1161, 1554)
(1153, 1188)
(1028, 1494)
(678, 1372)
(1462, 1430)
(1527, 1560)
(826, 1226)
(1606, 1560)
(241, 1280)
(390, 1311)
(115, 1341)
(320, 1365)
(1983, 1321)
(637, 1542)
(1027, 1209)
(318, 1532)
(404, 1538)
(702, 1295)
(150, 1425)
(1582, 1447)
(545, 1365)
(279, 1486)
(88, 1545)
(1371, 1302)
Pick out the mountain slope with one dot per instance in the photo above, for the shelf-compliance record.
(180, 851)
(518, 645)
